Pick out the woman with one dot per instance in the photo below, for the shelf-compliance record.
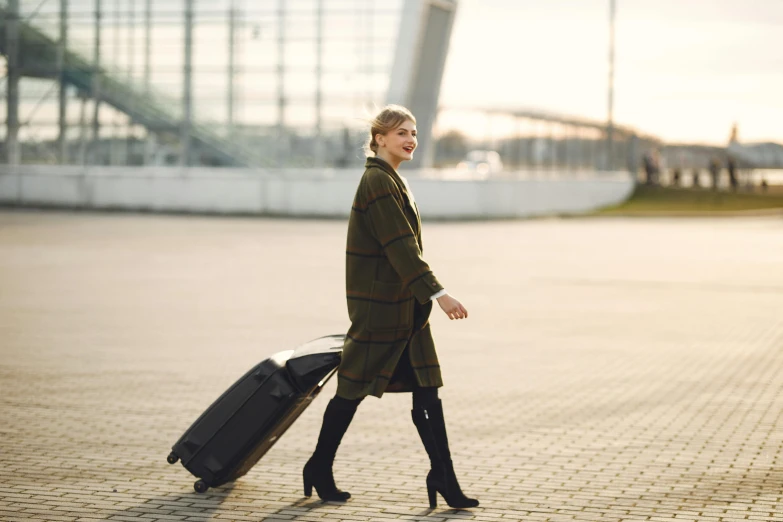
(390, 289)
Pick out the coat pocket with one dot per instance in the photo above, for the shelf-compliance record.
(390, 308)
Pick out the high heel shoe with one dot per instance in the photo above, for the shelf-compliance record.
(317, 473)
(449, 489)
(319, 476)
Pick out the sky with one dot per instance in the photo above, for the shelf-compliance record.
(685, 70)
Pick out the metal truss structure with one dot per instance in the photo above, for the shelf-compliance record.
(229, 82)
(280, 83)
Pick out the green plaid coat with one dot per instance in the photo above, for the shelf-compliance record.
(388, 287)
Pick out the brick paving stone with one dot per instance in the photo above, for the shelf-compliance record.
(161, 516)
(611, 369)
(75, 508)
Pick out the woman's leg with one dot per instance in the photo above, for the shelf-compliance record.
(424, 397)
(318, 470)
(427, 414)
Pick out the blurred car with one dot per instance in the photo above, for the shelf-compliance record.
(482, 163)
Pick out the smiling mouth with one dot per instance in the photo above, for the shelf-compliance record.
(408, 149)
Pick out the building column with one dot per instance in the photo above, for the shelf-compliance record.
(281, 130)
(150, 138)
(13, 151)
(62, 44)
(417, 72)
(318, 158)
(187, 96)
(230, 95)
(96, 86)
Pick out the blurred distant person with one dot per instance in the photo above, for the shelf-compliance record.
(676, 173)
(714, 168)
(390, 291)
(649, 167)
(695, 181)
(732, 168)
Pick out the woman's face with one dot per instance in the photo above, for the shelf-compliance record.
(399, 143)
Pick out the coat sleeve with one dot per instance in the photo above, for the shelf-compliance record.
(386, 220)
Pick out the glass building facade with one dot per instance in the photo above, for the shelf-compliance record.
(291, 82)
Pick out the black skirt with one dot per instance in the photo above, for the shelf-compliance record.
(404, 378)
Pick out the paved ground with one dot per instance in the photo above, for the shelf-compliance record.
(611, 369)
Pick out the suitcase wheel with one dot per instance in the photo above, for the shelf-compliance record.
(172, 458)
(200, 486)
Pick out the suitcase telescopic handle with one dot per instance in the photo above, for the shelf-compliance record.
(326, 378)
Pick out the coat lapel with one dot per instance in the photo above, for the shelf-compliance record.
(402, 184)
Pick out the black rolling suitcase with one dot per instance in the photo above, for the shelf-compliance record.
(243, 423)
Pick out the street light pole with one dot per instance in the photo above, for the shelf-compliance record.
(610, 115)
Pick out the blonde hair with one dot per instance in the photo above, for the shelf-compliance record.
(390, 117)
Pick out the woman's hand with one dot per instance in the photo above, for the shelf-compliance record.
(452, 307)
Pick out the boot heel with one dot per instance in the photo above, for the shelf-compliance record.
(323, 482)
(433, 494)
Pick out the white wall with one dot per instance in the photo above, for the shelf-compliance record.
(439, 194)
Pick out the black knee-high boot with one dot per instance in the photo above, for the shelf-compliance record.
(441, 479)
(318, 470)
